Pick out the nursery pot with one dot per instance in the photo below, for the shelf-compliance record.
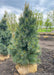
(2, 58)
(25, 69)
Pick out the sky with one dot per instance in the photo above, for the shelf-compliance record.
(17, 6)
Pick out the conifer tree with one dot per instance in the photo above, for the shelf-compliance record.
(25, 49)
(5, 36)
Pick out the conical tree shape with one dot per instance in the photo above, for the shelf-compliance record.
(5, 36)
(25, 49)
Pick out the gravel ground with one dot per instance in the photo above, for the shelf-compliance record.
(46, 67)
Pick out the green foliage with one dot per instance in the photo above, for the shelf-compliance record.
(24, 48)
(4, 36)
(39, 19)
(48, 23)
(44, 30)
(12, 22)
(3, 49)
(51, 16)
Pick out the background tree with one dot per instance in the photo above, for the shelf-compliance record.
(39, 19)
(48, 23)
(51, 17)
(5, 36)
(12, 23)
(25, 48)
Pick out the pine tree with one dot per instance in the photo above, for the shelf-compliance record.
(25, 49)
(5, 36)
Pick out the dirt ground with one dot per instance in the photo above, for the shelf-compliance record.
(46, 67)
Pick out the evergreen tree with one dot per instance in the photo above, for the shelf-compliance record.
(5, 36)
(25, 48)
